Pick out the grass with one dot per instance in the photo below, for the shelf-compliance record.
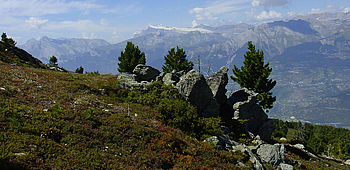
(55, 120)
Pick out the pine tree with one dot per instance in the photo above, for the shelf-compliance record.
(6, 40)
(53, 61)
(253, 75)
(177, 61)
(130, 58)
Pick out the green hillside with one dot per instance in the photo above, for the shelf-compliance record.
(63, 120)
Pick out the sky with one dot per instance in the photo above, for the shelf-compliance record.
(119, 20)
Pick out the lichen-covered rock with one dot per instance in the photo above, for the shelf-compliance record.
(266, 130)
(272, 154)
(171, 78)
(129, 82)
(217, 83)
(212, 109)
(145, 73)
(284, 166)
(223, 142)
(244, 106)
(194, 88)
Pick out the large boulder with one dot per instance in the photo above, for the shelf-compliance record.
(244, 106)
(217, 83)
(145, 73)
(172, 78)
(129, 82)
(266, 130)
(272, 154)
(194, 88)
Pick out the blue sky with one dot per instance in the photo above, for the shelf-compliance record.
(118, 20)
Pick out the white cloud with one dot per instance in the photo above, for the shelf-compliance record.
(194, 23)
(263, 16)
(44, 7)
(270, 3)
(346, 10)
(89, 35)
(292, 14)
(218, 7)
(271, 15)
(35, 23)
(316, 11)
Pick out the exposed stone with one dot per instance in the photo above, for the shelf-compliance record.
(266, 130)
(254, 159)
(129, 82)
(171, 78)
(299, 146)
(79, 70)
(347, 162)
(145, 73)
(284, 166)
(272, 154)
(194, 88)
(20, 154)
(223, 142)
(212, 109)
(245, 107)
(217, 83)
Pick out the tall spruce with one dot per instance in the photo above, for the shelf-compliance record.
(253, 75)
(177, 61)
(130, 58)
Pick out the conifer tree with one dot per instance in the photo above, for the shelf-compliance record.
(253, 75)
(7, 40)
(130, 58)
(53, 61)
(177, 61)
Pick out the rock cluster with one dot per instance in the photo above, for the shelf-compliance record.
(208, 95)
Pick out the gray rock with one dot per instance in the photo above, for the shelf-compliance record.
(223, 142)
(347, 162)
(254, 159)
(284, 166)
(245, 107)
(129, 82)
(272, 154)
(266, 130)
(171, 78)
(194, 88)
(79, 70)
(217, 83)
(145, 73)
(212, 109)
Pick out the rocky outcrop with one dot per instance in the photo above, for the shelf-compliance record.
(242, 104)
(272, 154)
(217, 84)
(79, 70)
(145, 73)
(194, 88)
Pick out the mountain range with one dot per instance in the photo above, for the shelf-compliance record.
(310, 57)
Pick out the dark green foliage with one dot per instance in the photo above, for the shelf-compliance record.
(53, 60)
(130, 58)
(177, 61)
(6, 40)
(174, 111)
(253, 75)
(320, 139)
